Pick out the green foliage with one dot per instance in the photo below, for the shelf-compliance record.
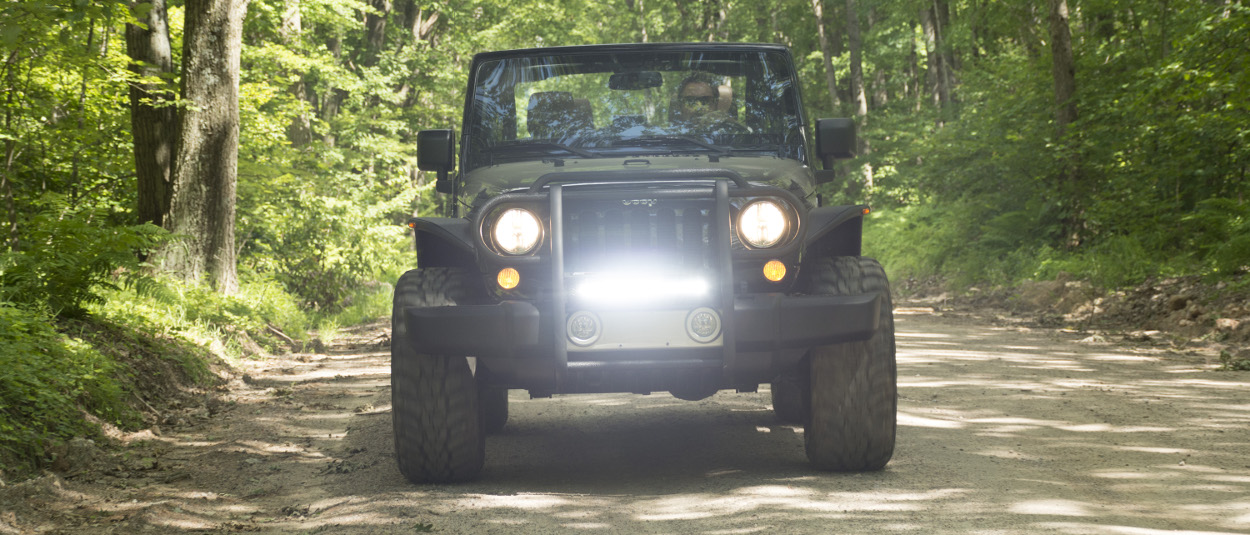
(69, 255)
(1229, 363)
(229, 324)
(48, 381)
(1151, 180)
(1220, 231)
(323, 247)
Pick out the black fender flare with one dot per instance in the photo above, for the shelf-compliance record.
(444, 242)
(835, 231)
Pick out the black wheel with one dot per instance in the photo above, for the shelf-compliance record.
(440, 435)
(494, 403)
(851, 423)
(789, 393)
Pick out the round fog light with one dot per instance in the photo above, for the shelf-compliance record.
(703, 325)
(774, 270)
(508, 278)
(583, 328)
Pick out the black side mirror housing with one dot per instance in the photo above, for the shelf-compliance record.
(436, 151)
(835, 139)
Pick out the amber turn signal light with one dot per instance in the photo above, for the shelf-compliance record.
(508, 278)
(774, 270)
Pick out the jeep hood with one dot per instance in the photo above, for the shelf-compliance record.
(486, 182)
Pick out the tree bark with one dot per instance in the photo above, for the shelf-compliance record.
(153, 116)
(856, 45)
(10, 151)
(915, 84)
(718, 13)
(950, 61)
(421, 27)
(1063, 69)
(300, 129)
(826, 50)
(206, 165)
(642, 20)
(375, 31)
(1063, 66)
(859, 98)
(933, 65)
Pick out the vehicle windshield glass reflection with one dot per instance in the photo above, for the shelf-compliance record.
(596, 105)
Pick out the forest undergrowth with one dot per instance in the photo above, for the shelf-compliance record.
(120, 364)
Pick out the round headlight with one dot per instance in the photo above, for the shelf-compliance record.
(762, 224)
(517, 231)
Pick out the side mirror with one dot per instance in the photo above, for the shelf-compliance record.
(436, 151)
(835, 138)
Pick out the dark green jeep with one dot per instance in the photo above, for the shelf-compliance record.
(639, 218)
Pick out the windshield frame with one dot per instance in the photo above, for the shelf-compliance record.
(784, 62)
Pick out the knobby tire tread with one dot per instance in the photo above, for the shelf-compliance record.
(851, 417)
(438, 425)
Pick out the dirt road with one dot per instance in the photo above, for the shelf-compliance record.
(1001, 430)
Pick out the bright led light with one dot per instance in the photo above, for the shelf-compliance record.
(625, 288)
(517, 231)
(762, 224)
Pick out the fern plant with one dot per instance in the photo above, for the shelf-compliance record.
(68, 255)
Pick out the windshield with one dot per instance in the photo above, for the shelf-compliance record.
(628, 103)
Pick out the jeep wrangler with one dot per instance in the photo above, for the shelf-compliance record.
(639, 218)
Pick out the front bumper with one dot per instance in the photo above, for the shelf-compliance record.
(762, 323)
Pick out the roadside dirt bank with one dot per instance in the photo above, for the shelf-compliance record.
(1003, 428)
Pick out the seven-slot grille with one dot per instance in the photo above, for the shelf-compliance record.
(599, 235)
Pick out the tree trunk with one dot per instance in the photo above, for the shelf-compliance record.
(933, 65)
(915, 84)
(942, 55)
(206, 165)
(421, 27)
(642, 20)
(300, 129)
(153, 117)
(826, 50)
(375, 32)
(950, 61)
(1063, 66)
(880, 88)
(1063, 69)
(10, 151)
(718, 13)
(856, 45)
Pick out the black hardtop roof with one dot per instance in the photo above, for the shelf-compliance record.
(631, 47)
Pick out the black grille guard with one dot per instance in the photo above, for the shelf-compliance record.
(723, 255)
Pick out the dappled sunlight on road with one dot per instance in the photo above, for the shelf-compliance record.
(1004, 431)
(1000, 430)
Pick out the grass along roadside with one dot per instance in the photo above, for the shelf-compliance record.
(117, 369)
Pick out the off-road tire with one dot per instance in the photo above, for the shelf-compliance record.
(851, 412)
(494, 403)
(440, 434)
(789, 394)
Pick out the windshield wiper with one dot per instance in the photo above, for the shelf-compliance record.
(650, 140)
(541, 145)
